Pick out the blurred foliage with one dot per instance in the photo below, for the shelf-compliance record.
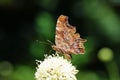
(23, 73)
(88, 76)
(107, 20)
(26, 25)
(45, 25)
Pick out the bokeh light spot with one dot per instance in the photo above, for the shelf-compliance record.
(6, 68)
(105, 54)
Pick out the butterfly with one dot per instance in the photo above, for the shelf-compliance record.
(67, 41)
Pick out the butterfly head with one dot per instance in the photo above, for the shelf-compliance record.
(54, 47)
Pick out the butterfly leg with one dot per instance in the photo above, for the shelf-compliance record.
(68, 56)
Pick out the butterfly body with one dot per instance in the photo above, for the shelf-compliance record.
(67, 41)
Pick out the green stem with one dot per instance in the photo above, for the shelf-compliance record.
(113, 70)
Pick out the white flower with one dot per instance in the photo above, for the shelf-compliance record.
(55, 68)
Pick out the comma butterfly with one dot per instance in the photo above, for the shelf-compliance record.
(67, 41)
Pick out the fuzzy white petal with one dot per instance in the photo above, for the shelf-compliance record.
(55, 67)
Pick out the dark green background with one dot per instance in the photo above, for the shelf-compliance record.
(26, 25)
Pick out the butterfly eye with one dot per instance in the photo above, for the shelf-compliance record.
(53, 46)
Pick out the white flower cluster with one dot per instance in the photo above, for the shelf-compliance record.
(55, 68)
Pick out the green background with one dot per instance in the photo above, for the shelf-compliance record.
(26, 25)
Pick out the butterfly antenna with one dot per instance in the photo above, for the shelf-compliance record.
(43, 42)
(50, 51)
(50, 42)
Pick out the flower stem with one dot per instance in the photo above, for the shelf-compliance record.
(112, 70)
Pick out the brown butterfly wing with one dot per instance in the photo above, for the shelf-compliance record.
(67, 41)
